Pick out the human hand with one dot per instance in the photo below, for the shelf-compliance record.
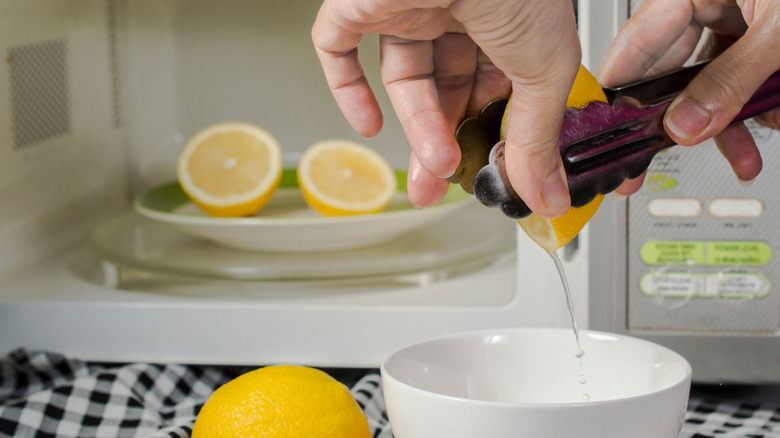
(442, 61)
(741, 36)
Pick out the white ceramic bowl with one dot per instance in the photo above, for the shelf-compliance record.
(526, 383)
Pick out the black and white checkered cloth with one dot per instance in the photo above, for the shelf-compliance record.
(714, 418)
(44, 394)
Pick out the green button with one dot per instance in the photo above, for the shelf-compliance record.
(672, 253)
(738, 253)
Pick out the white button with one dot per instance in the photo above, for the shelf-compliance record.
(744, 208)
(738, 285)
(668, 207)
(672, 284)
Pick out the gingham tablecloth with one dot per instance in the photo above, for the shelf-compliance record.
(44, 394)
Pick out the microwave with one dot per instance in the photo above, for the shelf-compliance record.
(98, 97)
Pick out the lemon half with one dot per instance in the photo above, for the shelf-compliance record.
(230, 169)
(340, 177)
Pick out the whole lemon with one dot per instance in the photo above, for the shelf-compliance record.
(282, 401)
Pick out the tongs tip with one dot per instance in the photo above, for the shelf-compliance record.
(476, 137)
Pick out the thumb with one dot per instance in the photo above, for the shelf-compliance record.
(533, 162)
(717, 94)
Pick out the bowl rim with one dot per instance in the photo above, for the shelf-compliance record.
(685, 381)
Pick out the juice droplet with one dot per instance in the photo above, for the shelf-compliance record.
(585, 397)
(583, 380)
(579, 353)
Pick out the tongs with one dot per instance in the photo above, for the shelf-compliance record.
(601, 145)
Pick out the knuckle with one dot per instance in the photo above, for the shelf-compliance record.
(454, 81)
(726, 87)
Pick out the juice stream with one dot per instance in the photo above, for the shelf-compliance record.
(569, 303)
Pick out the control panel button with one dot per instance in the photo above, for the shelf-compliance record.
(736, 208)
(673, 252)
(730, 252)
(739, 285)
(674, 207)
(672, 284)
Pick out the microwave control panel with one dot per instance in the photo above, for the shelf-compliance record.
(702, 246)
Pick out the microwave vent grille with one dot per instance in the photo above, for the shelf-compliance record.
(39, 91)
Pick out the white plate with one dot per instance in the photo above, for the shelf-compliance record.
(287, 224)
(142, 248)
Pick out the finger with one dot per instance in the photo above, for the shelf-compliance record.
(770, 119)
(424, 188)
(713, 44)
(336, 49)
(490, 83)
(721, 16)
(660, 36)
(717, 94)
(736, 144)
(407, 72)
(631, 186)
(455, 65)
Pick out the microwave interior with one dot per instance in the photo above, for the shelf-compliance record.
(99, 97)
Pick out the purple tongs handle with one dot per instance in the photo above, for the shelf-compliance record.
(602, 145)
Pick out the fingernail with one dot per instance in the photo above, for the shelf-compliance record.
(687, 120)
(555, 193)
(448, 173)
(618, 197)
(745, 182)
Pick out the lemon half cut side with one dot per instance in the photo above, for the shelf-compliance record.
(230, 169)
(340, 177)
(553, 234)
